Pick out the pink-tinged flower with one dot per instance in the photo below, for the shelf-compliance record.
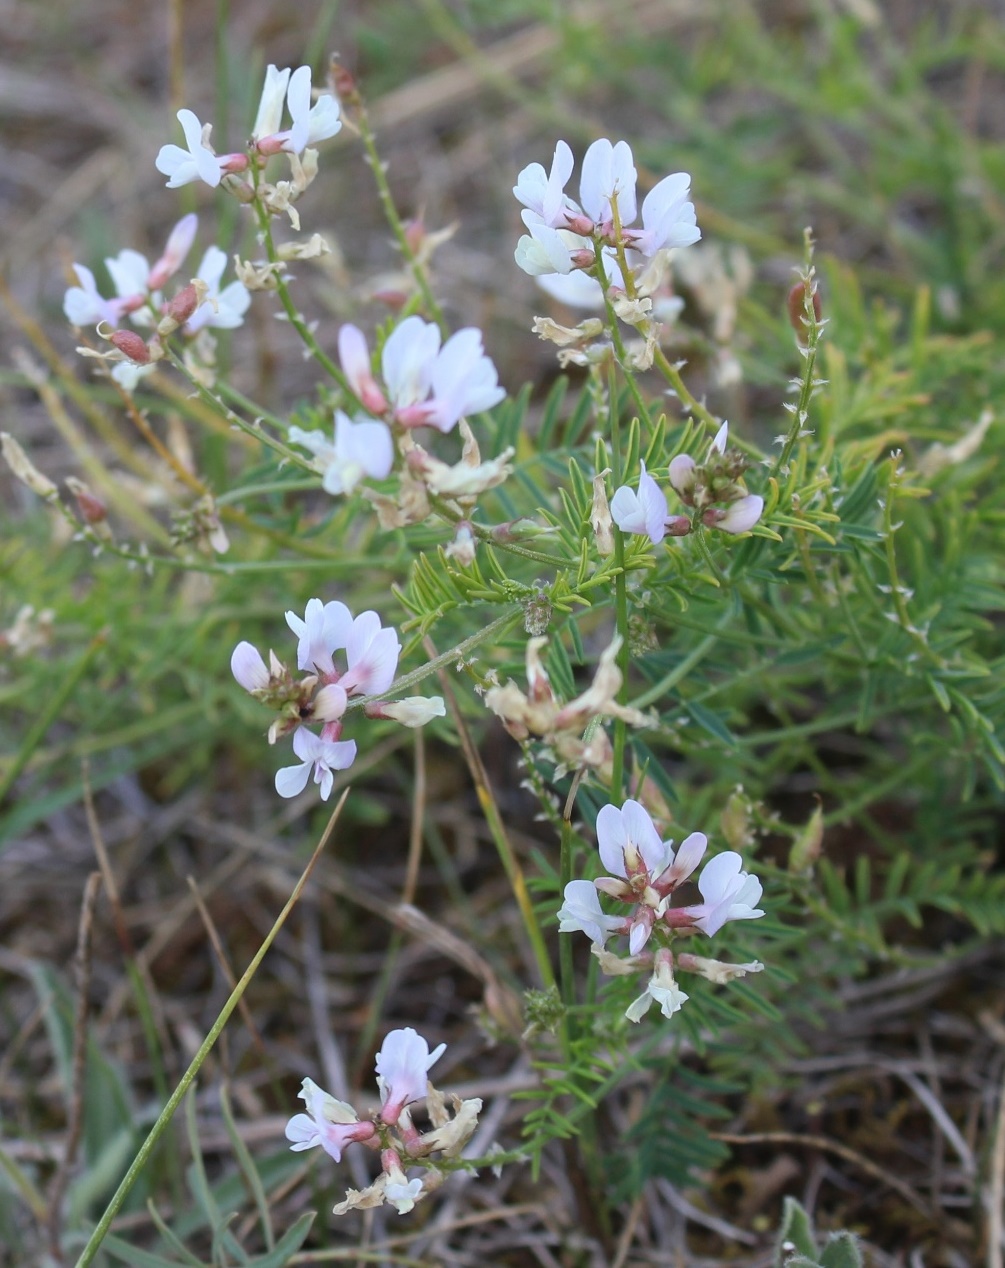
(645, 512)
(132, 277)
(371, 656)
(462, 379)
(642, 869)
(739, 517)
(406, 361)
(581, 910)
(629, 843)
(361, 448)
(729, 894)
(543, 193)
(179, 244)
(661, 989)
(325, 629)
(224, 309)
(330, 1123)
(355, 358)
(668, 218)
(401, 1065)
(608, 173)
(196, 163)
(683, 476)
(324, 757)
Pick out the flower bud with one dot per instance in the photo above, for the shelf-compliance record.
(796, 304)
(413, 711)
(343, 84)
(131, 345)
(183, 305)
(92, 509)
(600, 517)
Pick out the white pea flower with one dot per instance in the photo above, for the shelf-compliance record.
(221, 309)
(668, 217)
(324, 629)
(661, 989)
(197, 162)
(401, 1192)
(608, 173)
(547, 250)
(361, 448)
(729, 894)
(311, 123)
(581, 911)
(644, 512)
(460, 377)
(322, 756)
(402, 1063)
(329, 1122)
(543, 193)
(269, 118)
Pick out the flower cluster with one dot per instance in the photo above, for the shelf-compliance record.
(645, 872)
(401, 1066)
(199, 305)
(562, 233)
(424, 385)
(645, 511)
(371, 659)
(310, 123)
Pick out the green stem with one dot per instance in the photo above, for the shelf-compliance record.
(394, 220)
(565, 965)
(293, 313)
(690, 402)
(620, 604)
(146, 1149)
(443, 661)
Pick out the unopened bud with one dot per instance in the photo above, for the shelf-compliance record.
(183, 305)
(796, 303)
(131, 345)
(805, 849)
(413, 711)
(391, 297)
(415, 234)
(343, 84)
(580, 224)
(678, 526)
(92, 509)
(583, 259)
(24, 469)
(600, 517)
